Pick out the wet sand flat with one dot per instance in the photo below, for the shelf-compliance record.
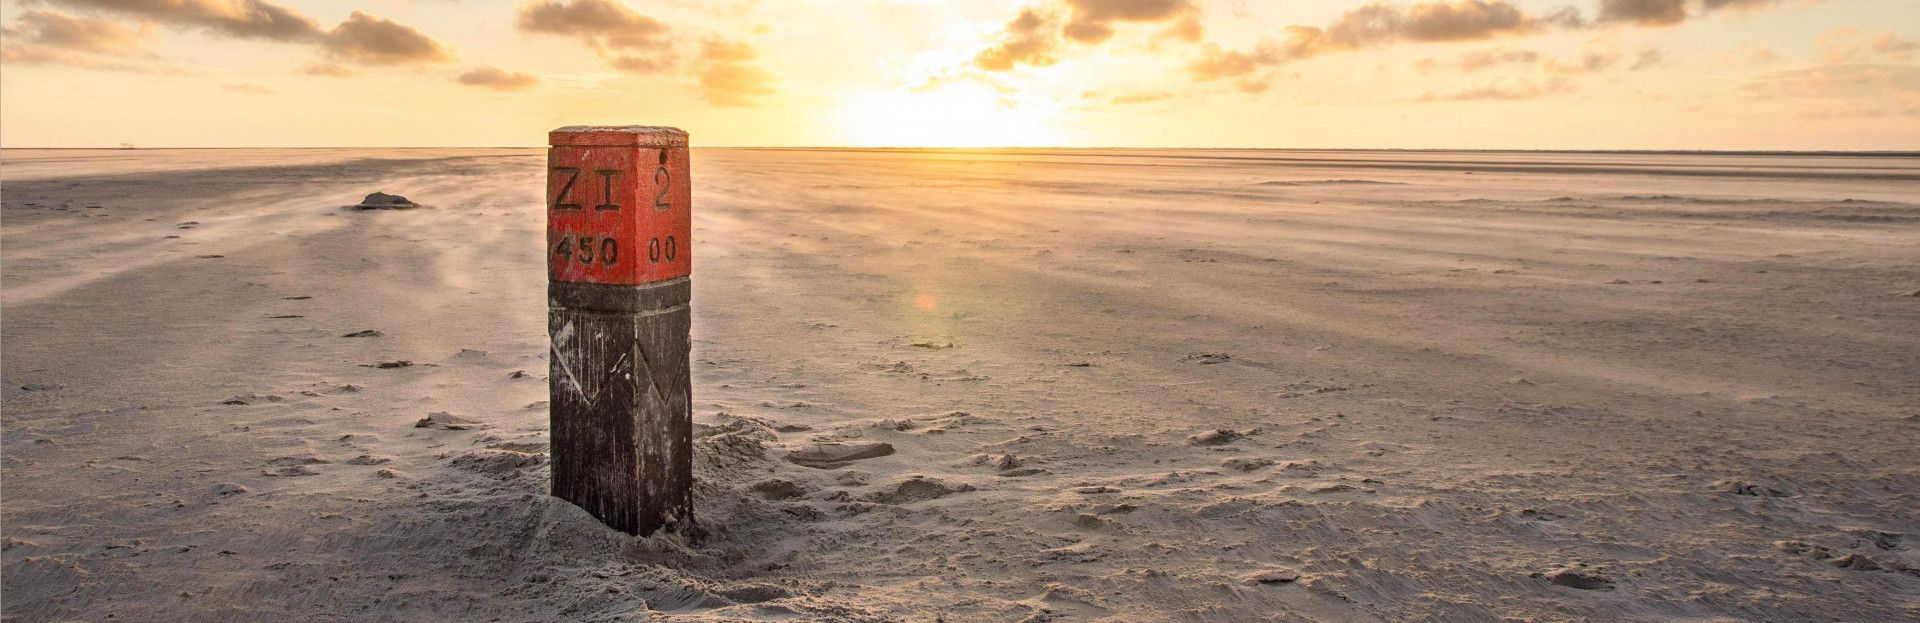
(1118, 385)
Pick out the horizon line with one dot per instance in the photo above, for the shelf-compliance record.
(1749, 152)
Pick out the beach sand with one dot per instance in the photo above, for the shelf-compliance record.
(1206, 385)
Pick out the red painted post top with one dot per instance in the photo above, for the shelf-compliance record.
(619, 205)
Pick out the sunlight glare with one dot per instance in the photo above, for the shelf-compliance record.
(953, 115)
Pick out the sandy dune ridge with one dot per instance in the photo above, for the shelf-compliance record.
(1118, 385)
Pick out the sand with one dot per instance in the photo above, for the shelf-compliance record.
(1111, 385)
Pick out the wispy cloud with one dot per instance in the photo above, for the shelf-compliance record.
(1524, 89)
(40, 37)
(1039, 35)
(1850, 45)
(498, 79)
(243, 19)
(1377, 25)
(249, 89)
(728, 75)
(362, 39)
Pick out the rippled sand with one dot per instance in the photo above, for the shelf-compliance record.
(1124, 385)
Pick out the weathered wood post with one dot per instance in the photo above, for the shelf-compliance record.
(619, 258)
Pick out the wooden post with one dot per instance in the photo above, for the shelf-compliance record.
(619, 259)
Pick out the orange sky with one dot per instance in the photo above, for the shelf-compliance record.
(1529, 74)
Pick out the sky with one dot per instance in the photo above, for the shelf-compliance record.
(1422, 74)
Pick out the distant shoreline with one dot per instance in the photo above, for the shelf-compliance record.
(1656, 152)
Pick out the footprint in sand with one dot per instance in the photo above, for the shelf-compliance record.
(918, 489)
(293, 466)
(778, 489)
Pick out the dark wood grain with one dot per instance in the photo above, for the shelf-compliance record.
(621, 420)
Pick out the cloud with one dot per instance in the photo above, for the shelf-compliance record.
(1647, 59)
(498, 79)
(1459, 20)
(1516, 90)
(362, 38)
(1644, 12)
(1749, 55)
(1091, 21)
(1670, 12)
(321, 68)
(1377, 25)
(728, 76)
(1738, 5)
(372, 40)
(243, 19)
(1849, 45)
(1491, 57)
(19, 53)
(1146, 97)
(1596, 55)
(1029, 39)
(1884, 83)
(59, 30)
(623, 37)
(1858, 111)
(1037, 35)
(1603, 54)
(1380, 24)
(52, 38)
(1216, 62)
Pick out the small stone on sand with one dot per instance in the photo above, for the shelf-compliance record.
(383, 201)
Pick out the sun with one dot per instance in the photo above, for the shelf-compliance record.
(960, 114)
